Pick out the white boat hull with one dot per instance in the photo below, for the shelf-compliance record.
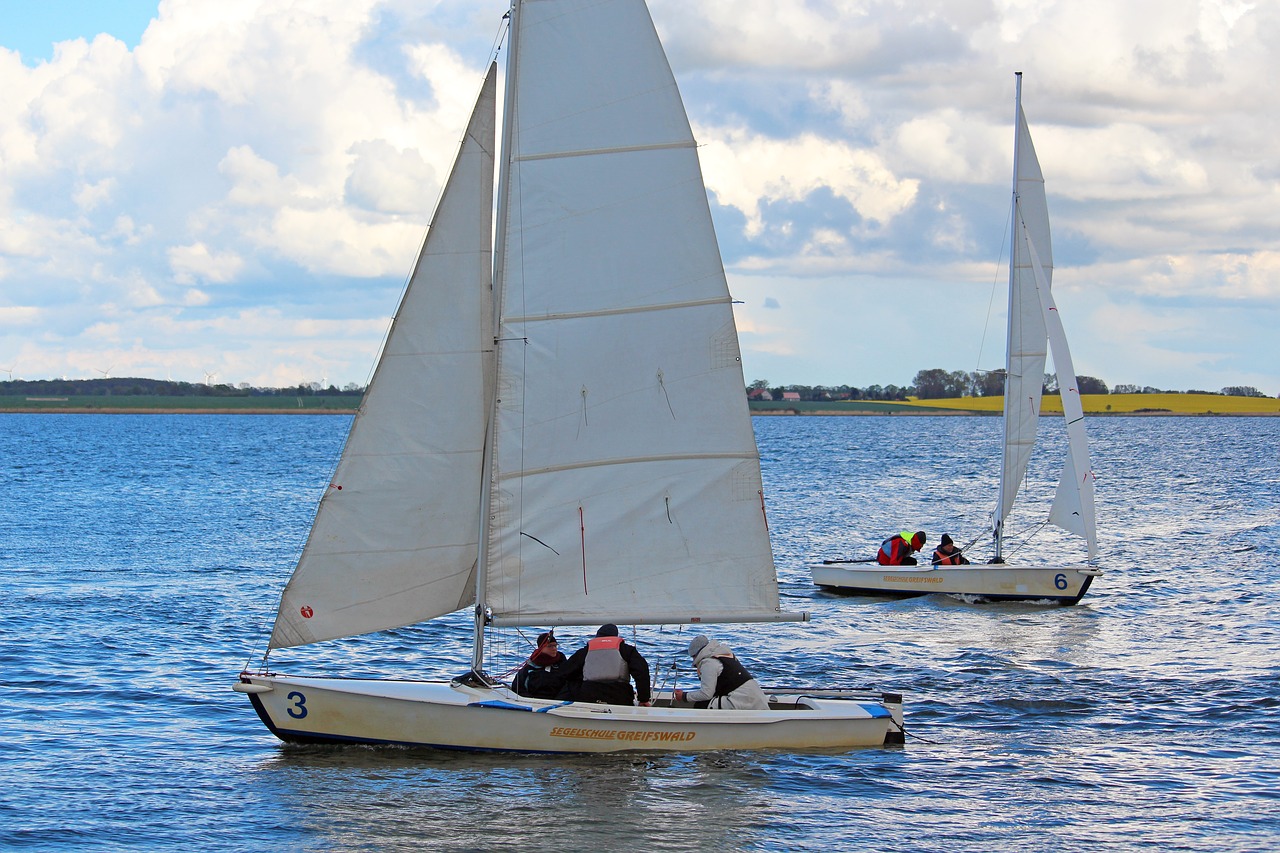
(999, 582)
(455, 716)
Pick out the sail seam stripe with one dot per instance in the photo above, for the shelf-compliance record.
(611, 312)
(621, 149)
(600, 463)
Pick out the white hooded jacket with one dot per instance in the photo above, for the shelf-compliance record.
(747, 697)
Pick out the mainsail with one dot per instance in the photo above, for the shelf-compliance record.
(394, 539)
(627, 481)
(1028, 337)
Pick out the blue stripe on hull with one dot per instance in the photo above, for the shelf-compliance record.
(1066, 600)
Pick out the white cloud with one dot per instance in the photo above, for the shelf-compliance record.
(197, 263)
(388, 180)
(747, 170)
(253, 165)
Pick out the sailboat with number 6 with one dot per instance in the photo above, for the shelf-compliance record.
(594, 461)
(1034, 329)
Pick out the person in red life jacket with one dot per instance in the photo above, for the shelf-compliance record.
(947, 554)
(540, 677)
(725, 681)
(897, 549)
(602, 671)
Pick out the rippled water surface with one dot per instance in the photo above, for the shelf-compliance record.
(143, 556)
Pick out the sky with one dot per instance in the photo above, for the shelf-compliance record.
(236, 191)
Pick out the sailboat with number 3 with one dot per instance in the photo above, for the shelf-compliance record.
(1033, 324)
(594, 460)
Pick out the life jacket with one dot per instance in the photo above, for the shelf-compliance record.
(941, 559)
(893, 549)
(604, 661)
(732, 676)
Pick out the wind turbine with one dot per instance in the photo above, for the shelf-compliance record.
(209, 377)
(9, 370)
(106, 374)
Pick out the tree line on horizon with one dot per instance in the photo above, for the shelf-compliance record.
(135, 387)
(939, 384)
(933, 384)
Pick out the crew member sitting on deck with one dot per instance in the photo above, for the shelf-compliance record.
(540, 676)
(725, 681)
(947, 554)
(897, 549)
(602, 671)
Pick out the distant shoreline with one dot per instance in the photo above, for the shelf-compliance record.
(1165, 404)
(190, 410)
(772, 413)
(945, 413)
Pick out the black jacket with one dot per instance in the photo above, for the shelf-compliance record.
(609, 692)
(540, 682)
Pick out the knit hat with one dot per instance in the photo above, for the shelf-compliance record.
(919, 536)
(610, 630)
(548, 637)
(697, 644)
(946, 540)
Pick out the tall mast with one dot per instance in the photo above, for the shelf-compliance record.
(998, 530)
(499, 285)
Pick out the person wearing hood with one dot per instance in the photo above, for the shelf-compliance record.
(947, 554)
(725, 681)
(602, 671)
(898, 548)
(540, 677)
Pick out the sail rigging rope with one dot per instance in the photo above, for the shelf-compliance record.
(1029, 536)
(995, 281)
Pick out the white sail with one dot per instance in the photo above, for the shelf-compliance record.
(1027, 338)
(395, 538)
(1072, 507)
(627, 481)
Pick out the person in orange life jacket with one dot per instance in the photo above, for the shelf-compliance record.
(725, 681)
(897, 549)
(947, 554)
(602, 671)
(540, 677)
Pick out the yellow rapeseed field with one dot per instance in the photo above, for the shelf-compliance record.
(1119, 404)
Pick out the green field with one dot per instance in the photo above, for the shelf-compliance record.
(145, 404)
(1094, 404)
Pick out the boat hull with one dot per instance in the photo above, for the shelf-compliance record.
(456, 716)
(1057, 584)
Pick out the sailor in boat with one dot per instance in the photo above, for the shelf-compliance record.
(540, 677)
(898, 548)
(725, 681)
(947, 554)
(602, 671)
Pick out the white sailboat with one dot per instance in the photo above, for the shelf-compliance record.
(1034, 329)
(556, 432)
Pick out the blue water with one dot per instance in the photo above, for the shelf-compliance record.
(142, 558)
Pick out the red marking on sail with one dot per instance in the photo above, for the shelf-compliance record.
(582, 528)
